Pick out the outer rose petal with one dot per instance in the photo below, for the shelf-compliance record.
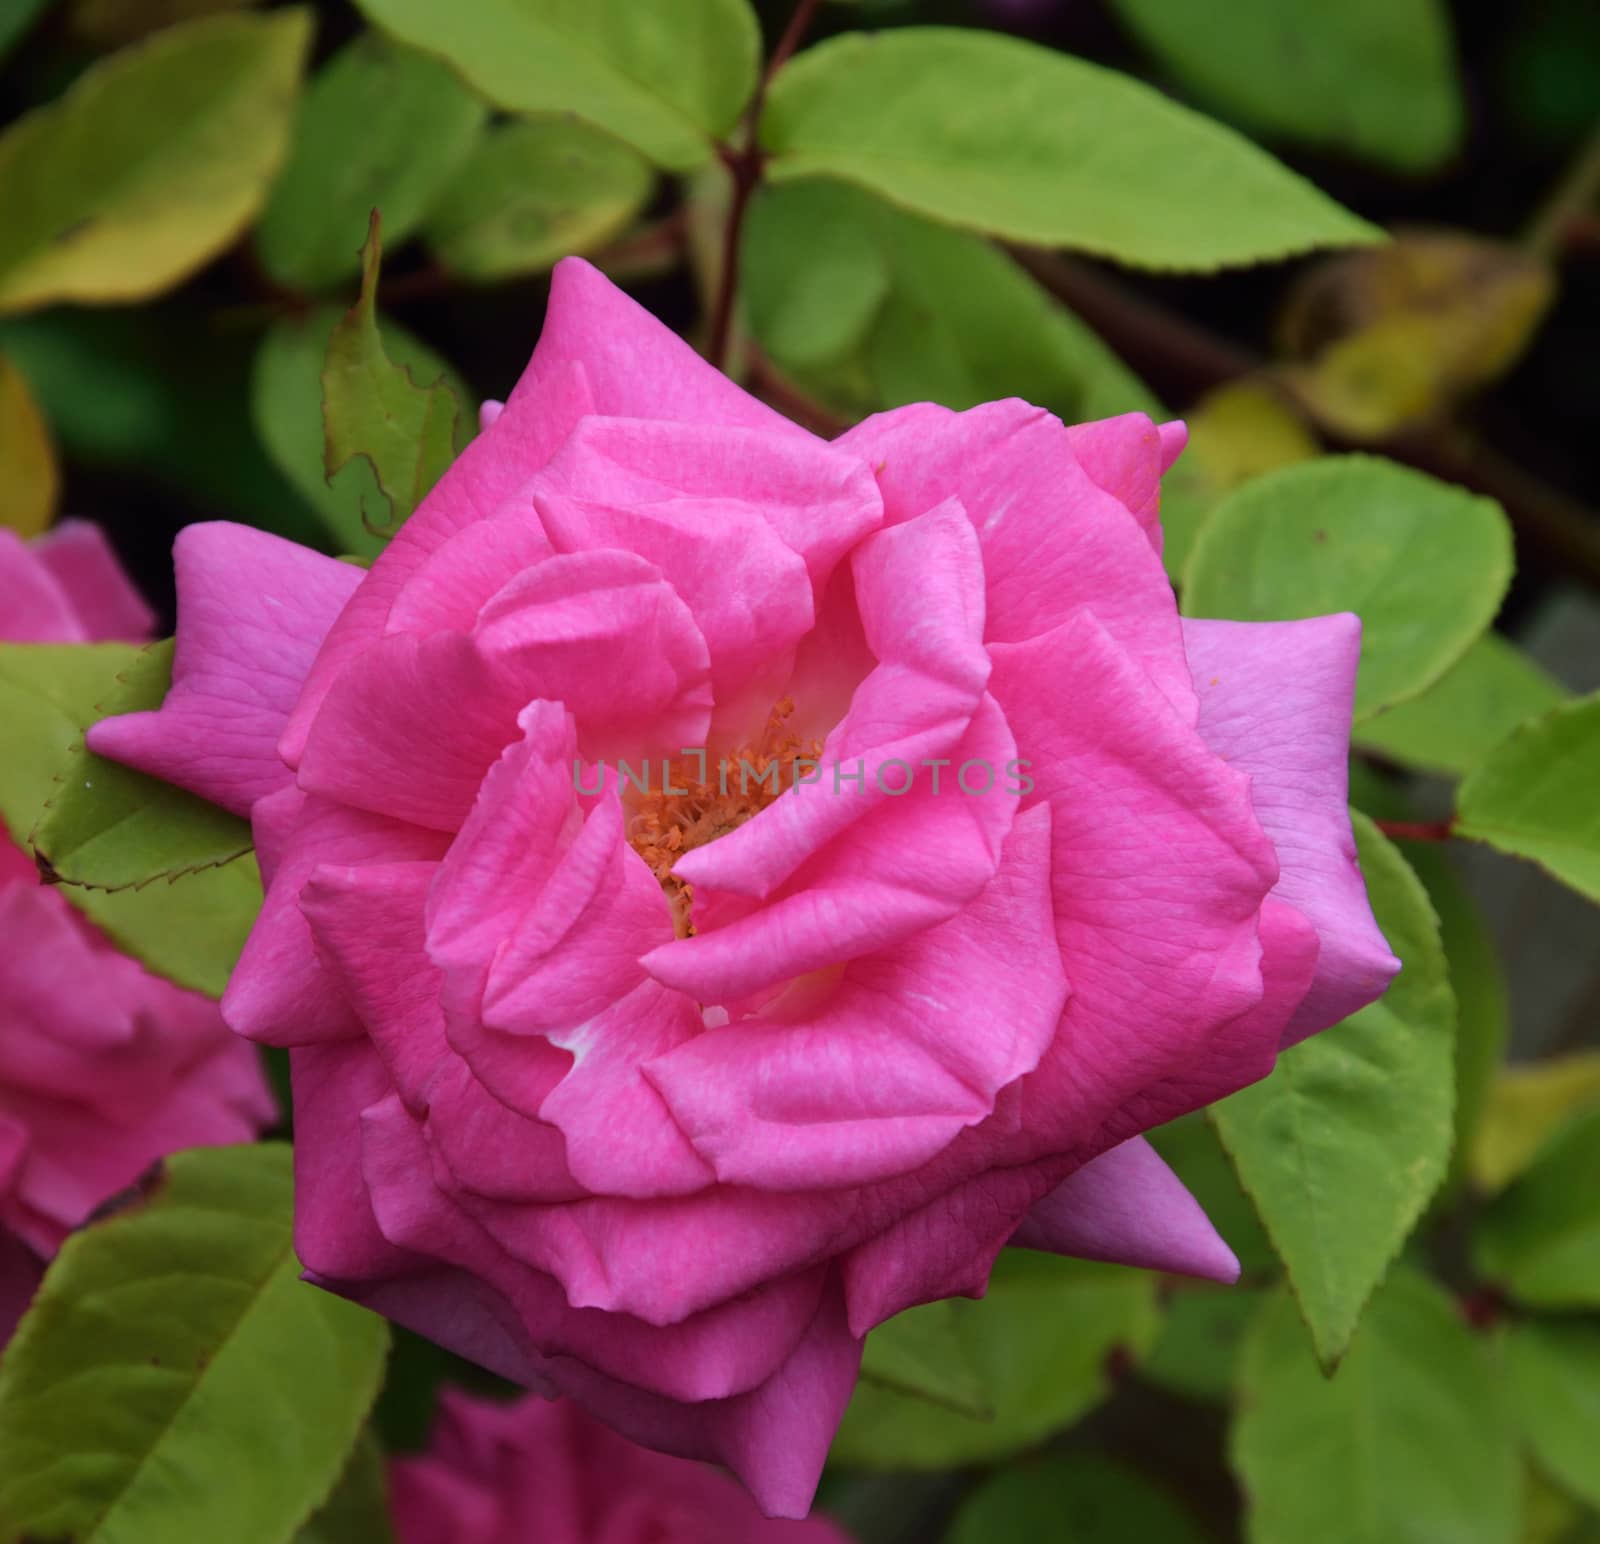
(21, 1271)
(1275, 700)
(252, 610)
(106, 604)
(1128, 1207)
(1160, 868)
(1052, 539)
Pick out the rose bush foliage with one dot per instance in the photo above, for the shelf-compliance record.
(663, 1101)
(103, 1067)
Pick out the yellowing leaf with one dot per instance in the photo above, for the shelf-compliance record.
(30, 480)
(151, 164)
(1387, 337)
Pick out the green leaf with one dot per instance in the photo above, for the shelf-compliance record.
(380, 127)
(374, 409)
(1345, 1143)
(1533, 796)
(1477, 981)
(107, 826)
(1491, 689)
(1539, 1239)
(1554, 1371)
(29, 473)
(1409, 1442)
(1018, 141)
(668, 80)
(151, 164)
(1526, 1105)
(923, 1352)
(869, 308)
(533, 191)
(1076, 1498)
(1376, 78)
(175, 1379)
(1043, 1337)
(286, 406)
(47, 695)
(1198, 1352)
(358, 1510)
(190, 930)
(1424, 564)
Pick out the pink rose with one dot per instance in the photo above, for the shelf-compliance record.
(664, 1101)
(103, 1067)
(543, 1470)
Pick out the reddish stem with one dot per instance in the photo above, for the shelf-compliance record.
(1417, 830)
(745, 165)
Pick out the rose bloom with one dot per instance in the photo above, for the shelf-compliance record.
(663, 1100)
(103, 1067)
(542, 1470)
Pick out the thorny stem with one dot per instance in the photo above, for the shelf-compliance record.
(745, 166)
(1418, 830)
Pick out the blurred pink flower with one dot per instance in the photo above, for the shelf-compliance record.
(543, 1470)
(664, 1099)
(103, 1067)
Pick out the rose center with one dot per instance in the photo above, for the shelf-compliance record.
(698, 800)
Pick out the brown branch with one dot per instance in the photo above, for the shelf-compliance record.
(1162, 345)
(1572, 199)
(745, 166)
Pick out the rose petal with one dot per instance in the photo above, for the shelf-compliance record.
(252, 609)
(1275, 700)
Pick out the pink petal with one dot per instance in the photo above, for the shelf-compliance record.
(606, 634)
(725, 1352)
(775, 1438)
(37, 609)
(1275, 701)
(1160, 867)
(1128, 1207)
(748, 592)
(919, 588)
(912, 1046)
(636, 367)
(570, 975)
(252, 609)
(1125, 457)
(280, 992)
(368, 926)
(818, 501)
(946, 1247)
(1052, 540)
(448, 589)
(108, 607)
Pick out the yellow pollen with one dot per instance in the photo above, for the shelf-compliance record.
(688, 809)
